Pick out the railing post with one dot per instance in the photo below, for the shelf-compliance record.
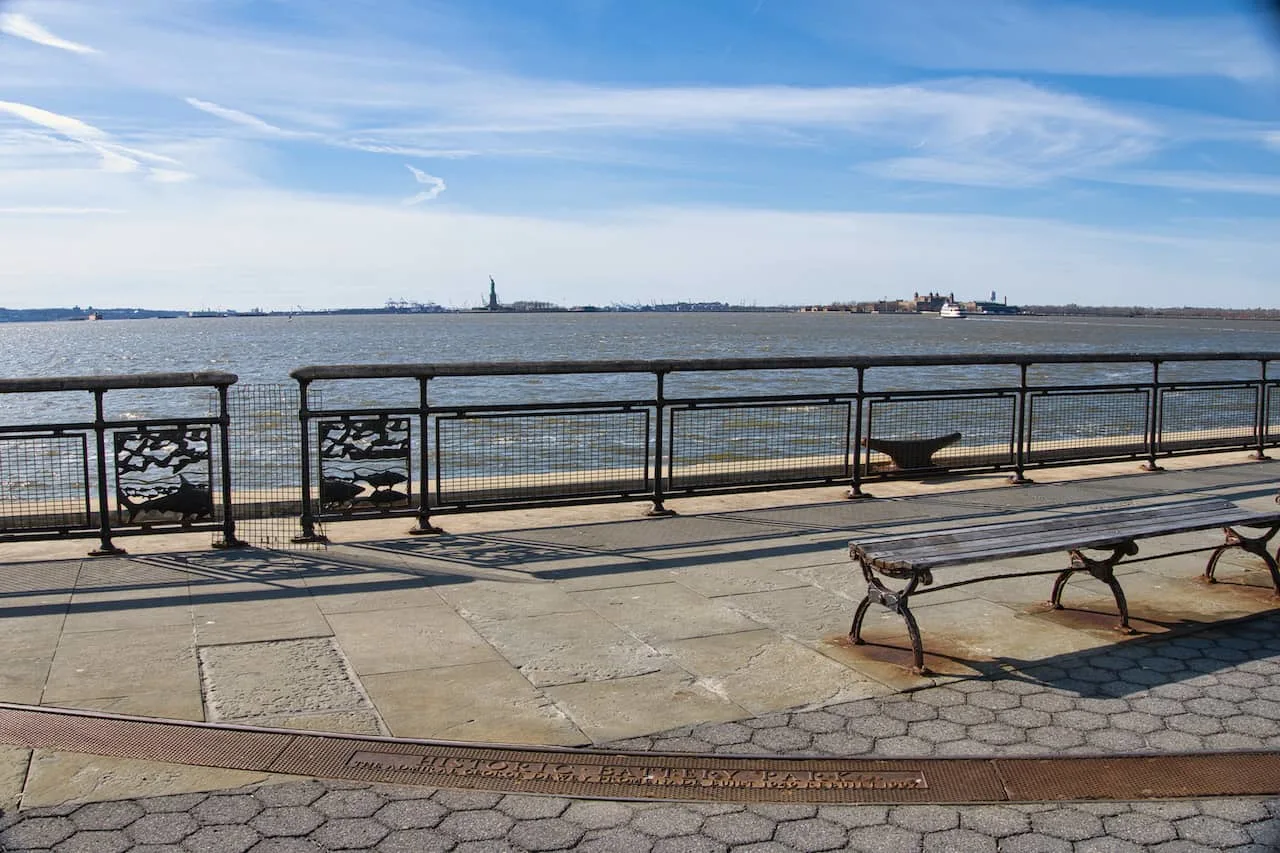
(229, 539)
(659, 404)
(308, 519)
(105, 547)
(855, 487)
(424, 527)
(1153, 419)
(1263, 415)
(1020, 442)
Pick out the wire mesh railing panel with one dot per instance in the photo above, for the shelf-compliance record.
(935, 433)
(758, 444)
(1087, 424)
(515, 456)
(1197, 418)
(265, 438)
(44, 482)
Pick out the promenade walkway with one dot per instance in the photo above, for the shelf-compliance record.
(715, 632)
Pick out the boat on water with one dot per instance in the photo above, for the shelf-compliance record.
(952, 310)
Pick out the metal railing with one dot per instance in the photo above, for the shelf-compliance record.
(108, 476)
(418, 439)
(848, 420)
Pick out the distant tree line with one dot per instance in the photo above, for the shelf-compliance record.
(1147, 311)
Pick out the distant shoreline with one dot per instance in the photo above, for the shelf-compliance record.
(37, 315)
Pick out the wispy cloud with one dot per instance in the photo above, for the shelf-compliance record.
(1059, 38)
(113, 156)
(434, 185)
(57, 211)
(20, 26)
(238, 117)
(1199, 182)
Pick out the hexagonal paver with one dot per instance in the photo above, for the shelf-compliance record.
(959, 841)
(358, 833)
(37, 832)
(532, 808)
(739, 828)
(414, 841)
(108, 815)
(411, 814)
(1067, 824)
(1140, 828)
(457, 801)
(349, 803)
(226, 808)
(884, 839)
(290, 794)
(550, 833)
(614, 840)
(599, 814)
(95, 841)
(995, 821)
(476, 825)
(811, 835)
(667, 821)
(286, 821)
(222, 838)
(782, 740)
(925, 818)
(162, 828)
(1212, 831)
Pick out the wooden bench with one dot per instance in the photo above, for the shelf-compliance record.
(913, 557)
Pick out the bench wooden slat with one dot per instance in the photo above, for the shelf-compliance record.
(1079, 530)
(1005, 532)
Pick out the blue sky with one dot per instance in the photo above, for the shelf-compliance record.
(284, 153)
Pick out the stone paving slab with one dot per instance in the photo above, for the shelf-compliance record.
(489, 702)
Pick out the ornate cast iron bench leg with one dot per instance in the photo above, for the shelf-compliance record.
(1256, 545)
(1104, 570)
(897, 602)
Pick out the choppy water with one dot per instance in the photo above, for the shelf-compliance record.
(265, 349)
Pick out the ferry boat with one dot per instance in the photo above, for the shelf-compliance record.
(951, 309)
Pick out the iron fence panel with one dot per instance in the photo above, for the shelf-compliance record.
(163, 474)
(746, 445)
(552, 455)
(1200, 418)
(44, 482)
(922, 433)
(1063, 426)
(365, 463)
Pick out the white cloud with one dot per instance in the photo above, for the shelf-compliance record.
(434, 185)
(20, 26)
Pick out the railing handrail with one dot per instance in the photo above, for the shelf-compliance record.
(116, 381)
(651, 366)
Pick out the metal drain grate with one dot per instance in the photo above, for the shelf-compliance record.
(642, 775)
